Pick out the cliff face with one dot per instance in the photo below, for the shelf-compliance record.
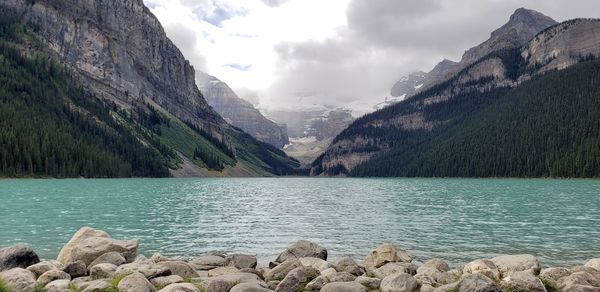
(496, 64)
(241, 113)
(415, 82)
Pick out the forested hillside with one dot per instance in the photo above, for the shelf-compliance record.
(547, 127)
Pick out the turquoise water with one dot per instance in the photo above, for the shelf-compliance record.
(455, 219)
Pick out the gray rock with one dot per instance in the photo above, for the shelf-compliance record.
(577, 279)
(399, 282)
(76, 269)
(52, 275)
(433, 277)
(342, 277)
(103, 271)
(437, 264)
(180, 287)
(508, 264)
(222, 271)
(550, 276)
(100, 285)
(17, 256)
(447, 288)
(179, 268)
(347, 264)
(329, 273)
(293, 281)
(315, 263)
(228, 281)
(484, 267)
(148, 270)
(208, 262)
(58, 286)
(19, 279)
(370, 283)
(166, 280)
(522, 281)
(135, 282)
(242, 261)
(393, 268)
(250, 287)
(252, 271)
(317, 283)
(302, 249)
(593, 263)
(477, 283)
(386, 253)
(40, 268)
(279, 272)
(272, 285)
(157, 258)
(344, 287)
(88, 244)
(112, 257)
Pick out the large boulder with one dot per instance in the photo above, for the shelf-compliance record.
(302, 249)
(18, 256)
(393, 268)
(550, 276)
(166, 280)
(224, 283)
(280, 271)
(103, 271)
(437, 264)
(347, 264)
(241, 261)
(76, 269)
(222, 271)
(180, 287)
(508, 264)
(88, 244)
(52, 275)
(344, 287)
(315, 263)
(342, 277)
(477, 283)
(112, 257)
(179, 268)
(19, 279)
(96, 286)
(148, 270)
(293, 281)
(42, 267)
(484, 267)
(577, 279)
(522, 281)
(58, 286)
(594, 263)
(316, 284)
(399, 282)
(370, 283)
(208, 262)
(386, 253)
(135, 282)
(433, 277)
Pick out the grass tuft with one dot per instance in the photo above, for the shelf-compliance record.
(4, 286)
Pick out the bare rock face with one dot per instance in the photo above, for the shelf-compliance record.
(88, 244)
(416, 82)
(241, 113)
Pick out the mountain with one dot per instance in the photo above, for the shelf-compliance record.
(138, 89)
(511, 112)
(239, 112)
(415, 82)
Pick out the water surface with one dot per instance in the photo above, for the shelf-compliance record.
(455, 219)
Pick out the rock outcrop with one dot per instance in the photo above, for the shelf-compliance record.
(18, 256)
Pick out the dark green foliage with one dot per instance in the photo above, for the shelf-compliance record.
(50, 127)
(546, 127)
(210, 159)
(216, 142)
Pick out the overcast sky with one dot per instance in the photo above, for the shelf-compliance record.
(334, 52)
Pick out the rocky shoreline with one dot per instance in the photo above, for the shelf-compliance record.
(94, 262)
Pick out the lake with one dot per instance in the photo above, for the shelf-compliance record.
(455, 219)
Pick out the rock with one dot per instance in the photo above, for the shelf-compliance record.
(179, 268)
(52, 275)
(273, 284)
(19, 279)
(316, 263)
(317, 283)
(580, 288)
(250, 287)
(222, 271)
(17, 256)
(594, 263)
(40, 268)
(242, 261)
(293, 281)
(228, 281)
(279, 272)
(329, 273)
(550, 276)
(97, 286)
(344, 287)
(112, 257)
(515, 263)
(88, 244)
(135, 282)
(180, 287)
(76, 269)
(522, 281)
(252, 271)
(579, 279)
(386, 253)
(484, 267)
(370, 283)
(166, 280)
(302, 249)
(437, 264)
(399, 282)
(393, 268)
(433, 277)
(58, 286)
(342, 277)
(157, 258)
(207, 262)
(477, 282)
(103, 271)
(586, 269)
(347, 264)
(148, 270)
(447, 288)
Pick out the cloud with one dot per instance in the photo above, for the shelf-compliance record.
(274, 3)
(239, 66)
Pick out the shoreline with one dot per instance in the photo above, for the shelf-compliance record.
(93, 261)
